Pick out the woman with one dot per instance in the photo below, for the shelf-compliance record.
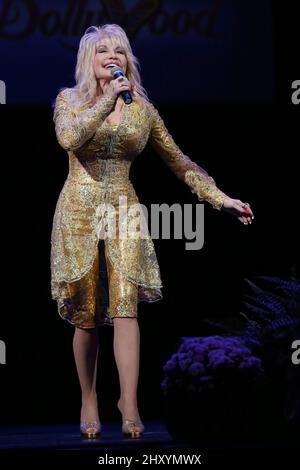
(99, 281)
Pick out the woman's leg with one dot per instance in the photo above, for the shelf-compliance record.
(86, 347)
(127, 351)
(123, 298)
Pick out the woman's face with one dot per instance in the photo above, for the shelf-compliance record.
(109, 51)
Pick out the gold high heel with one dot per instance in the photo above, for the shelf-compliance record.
(128, 430)
(131, 428)
(90, 429)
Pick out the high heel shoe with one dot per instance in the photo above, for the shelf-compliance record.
(131, 428)
(90, 429)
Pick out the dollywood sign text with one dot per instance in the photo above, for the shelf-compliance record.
(20, 19)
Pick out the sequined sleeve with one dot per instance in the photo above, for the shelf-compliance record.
(74, 129)
(184, 168)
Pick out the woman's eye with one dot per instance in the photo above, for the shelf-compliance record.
(103, 51)
(118, 52)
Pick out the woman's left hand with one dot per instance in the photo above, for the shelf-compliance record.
(241, 210)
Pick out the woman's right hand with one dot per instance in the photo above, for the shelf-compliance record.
(115, 86)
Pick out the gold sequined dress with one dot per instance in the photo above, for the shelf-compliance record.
(95, 279)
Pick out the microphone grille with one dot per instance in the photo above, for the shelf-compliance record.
(115, 69)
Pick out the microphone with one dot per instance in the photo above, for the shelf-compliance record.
(118, 72)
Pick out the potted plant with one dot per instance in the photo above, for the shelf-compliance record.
(240, 382)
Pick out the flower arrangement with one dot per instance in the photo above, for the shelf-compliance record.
(241, 381)
(205, 363)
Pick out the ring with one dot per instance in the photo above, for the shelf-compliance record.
(246, 204)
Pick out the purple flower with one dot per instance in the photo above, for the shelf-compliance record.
(218, 358)
(169, 366)
(195, 369)
(185, 363)
(203, 362)
(250, 362)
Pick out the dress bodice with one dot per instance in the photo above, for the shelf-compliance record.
(89, 140)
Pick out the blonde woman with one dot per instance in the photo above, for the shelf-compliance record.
(98, 280)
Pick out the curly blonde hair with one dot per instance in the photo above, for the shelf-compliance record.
(86, 83)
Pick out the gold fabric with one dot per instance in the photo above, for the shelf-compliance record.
(102, 294)
(100, 156)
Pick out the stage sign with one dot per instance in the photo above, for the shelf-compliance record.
(190, 51)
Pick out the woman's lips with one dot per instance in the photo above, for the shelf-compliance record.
(112, 64)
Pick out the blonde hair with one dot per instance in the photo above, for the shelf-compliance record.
(86, 82)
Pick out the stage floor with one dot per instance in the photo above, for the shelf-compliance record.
(63, 444)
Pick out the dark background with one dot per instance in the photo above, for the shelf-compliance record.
(251, 149)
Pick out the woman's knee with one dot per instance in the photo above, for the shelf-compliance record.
(120, 320)
(92, 331)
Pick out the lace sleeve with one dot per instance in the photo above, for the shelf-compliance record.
(74, 130)
(184, 168)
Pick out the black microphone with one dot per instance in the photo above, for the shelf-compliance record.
(118, 72)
